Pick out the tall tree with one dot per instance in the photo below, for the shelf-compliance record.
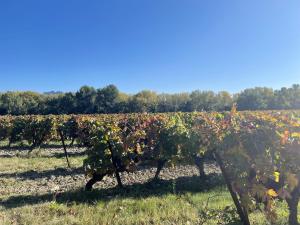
(224, 101)
(202, 101)
(173, 102)
(85, 100)
(259, 98)
(144, 101)
(106, 99)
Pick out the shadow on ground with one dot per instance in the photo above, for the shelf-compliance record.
(177, 186)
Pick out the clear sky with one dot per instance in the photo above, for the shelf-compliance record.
(161, 45)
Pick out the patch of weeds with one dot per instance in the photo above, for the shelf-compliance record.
(221, 217)
(57, 208)
(207, 214)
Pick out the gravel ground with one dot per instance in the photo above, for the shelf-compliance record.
(62, 179)
(47, 152)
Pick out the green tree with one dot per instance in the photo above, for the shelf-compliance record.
(173, 102)
(287, 98)
(224, 101)
(144, 101)
(202, 101)
(19, 103)
(85, 100)
(106, 99)
(255, 99)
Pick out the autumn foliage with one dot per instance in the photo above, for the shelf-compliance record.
(258, 152)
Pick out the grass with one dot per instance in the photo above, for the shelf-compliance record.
(17, 164)
(167, 209)
(185, 201)
(187, 208)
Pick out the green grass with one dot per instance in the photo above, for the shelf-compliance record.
(163, 202)
(23, 164)
(186, 208)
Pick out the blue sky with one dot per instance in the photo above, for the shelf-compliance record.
(161, 45)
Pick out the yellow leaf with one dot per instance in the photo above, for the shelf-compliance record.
(296, 135)
(234, 109)
(272, 193)
(277, 177)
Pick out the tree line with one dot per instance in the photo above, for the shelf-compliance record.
(89, 100)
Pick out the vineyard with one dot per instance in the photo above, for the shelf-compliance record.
(257, 152)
